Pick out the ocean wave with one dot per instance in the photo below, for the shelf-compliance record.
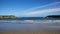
(30, 21)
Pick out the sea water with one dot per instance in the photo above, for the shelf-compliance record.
(29, 24)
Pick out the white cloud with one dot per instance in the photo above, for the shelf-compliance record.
(31, 9)
(43, 11)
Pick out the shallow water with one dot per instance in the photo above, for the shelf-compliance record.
(30, 24)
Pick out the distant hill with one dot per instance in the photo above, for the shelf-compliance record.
(53, 16)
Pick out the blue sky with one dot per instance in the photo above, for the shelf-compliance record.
(30, 8)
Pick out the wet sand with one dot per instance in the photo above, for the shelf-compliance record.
(29, 32)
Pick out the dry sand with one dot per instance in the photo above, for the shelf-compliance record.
(29, 32)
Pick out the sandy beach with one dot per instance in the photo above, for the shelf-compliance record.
(29, 32)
